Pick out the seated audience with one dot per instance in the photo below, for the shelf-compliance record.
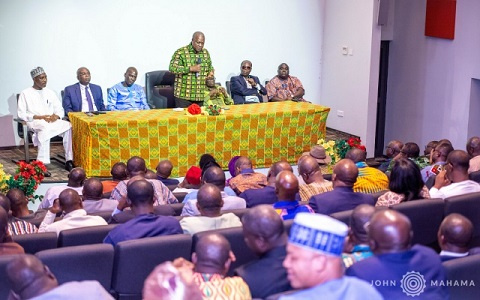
(393, 149)
(19, 207)
(429, 148)
(264, 234)
(411, 151)
(93, 202)
(286, 188)
(215, 95)
(136, 167)
(246, 88)
(342, 197)
(245, 178)
(405, 184)
(215, 176)
(453, 180)
(83, 95)
(30, 279)
(149, 174)
(209, 204)
(454, 236)
(439, 158)
(7, 246)
(231, 168)
(321, 156)
(356, 245)
(369, 180)
(315, 264)
(285, 87)
(164, 170)
(473, 150)
(191, 182)
(16, 226)
(390, 236)
(206, 161)
(127, 95)
(75, 216)
(311, 173)
(145, 224)
(119, 173)
(76, 178)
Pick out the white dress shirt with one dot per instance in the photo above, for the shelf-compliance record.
(75, 219)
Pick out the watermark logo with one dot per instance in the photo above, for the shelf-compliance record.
(413, 283)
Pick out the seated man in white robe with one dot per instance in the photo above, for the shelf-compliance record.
(40, 107)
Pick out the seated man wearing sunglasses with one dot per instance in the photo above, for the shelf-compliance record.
(245, 88)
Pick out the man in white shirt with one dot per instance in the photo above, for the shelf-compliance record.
(453, 180)
(75, 216)
(42, 110)
(76, 178)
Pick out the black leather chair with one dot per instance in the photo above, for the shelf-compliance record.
(4, 283)
(32, 243)
(227, 85)
(238, 212)
(475, 176)
(135, 259)
(467, 205)
(84, 235)
(343, 216)
(177, 207)
(88, 262)
(159, 89)
(463, 270)
(179, 196)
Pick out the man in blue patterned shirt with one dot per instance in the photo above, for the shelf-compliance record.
(127, 95)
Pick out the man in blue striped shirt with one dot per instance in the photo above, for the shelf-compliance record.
(127, 95)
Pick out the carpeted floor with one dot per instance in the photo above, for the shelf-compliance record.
(59, 174)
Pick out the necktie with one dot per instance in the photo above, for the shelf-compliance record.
(89, 99)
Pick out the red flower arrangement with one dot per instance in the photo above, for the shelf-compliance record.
(27, 178)
(356, 143)
(194, 109)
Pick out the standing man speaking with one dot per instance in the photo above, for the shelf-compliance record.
(191, 65)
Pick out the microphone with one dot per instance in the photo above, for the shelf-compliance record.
(199, 61)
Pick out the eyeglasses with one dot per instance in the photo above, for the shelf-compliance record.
(246, 67)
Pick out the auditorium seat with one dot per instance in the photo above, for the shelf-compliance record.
(235, 236)
(238, 212)
(159, 89)
(467, 205)
(4, 284)
(104, 214)
(32, 243)
(327, 177)
(179, 195)
(177, 207)
(343, 216)
(462, 272)
(88, 262)
(135, 259)
(84, 236)
(475, 176)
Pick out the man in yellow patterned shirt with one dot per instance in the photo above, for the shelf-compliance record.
(369, 180)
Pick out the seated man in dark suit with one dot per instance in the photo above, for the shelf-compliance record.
(342, 197)
(454, 236)
(83, 95)
(246, 88)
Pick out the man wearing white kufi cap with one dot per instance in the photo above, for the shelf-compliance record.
(314, 262)
(42, 110)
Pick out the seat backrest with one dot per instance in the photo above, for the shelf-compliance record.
(227, 85)
(475, 176)
(343, 216)
(177, 207)
(238, 212)
(135, 259)
(159, 89)
(4, 283)
(32, 243)
(425, 216)
(463, 270)
(88, 262)
(179, 196)
(430, 181)
(467, 205)
(84, 235)
(104, 214)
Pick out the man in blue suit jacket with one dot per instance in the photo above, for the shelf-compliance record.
(75, 98)
(245, 88)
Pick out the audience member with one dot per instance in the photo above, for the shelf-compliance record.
(119, 173)
(311, 173)
(76, 178)
(191, 181)
(246, 88)
(231, 168)
(42, 110)
(164, 170)
(127, 95)
(83, 95)
(30, 279)
(454, 236)
(145, 224)
(285, 87)
(191, 65)
(405, 184)
(343, 196)
(438, 158)
(93, 202)
(136, 167)
(19, 207)
(390, 237)
(264, 234)
(149, 174)
(215, 176)
(215, 95)
(7, 246)
(473, 149)
(369, 180)
(321, 156)
(412, 151)
(75, 216)
(16, 226)
(245, 177)
(429, 148)
(286, 188)
(209, 204)
(206, 161)
(314, 264)
(393, 149)
(356, 245)
(453, 180)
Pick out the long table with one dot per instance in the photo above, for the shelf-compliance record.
(265, 132)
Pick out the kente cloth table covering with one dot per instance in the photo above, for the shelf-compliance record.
(265, 132)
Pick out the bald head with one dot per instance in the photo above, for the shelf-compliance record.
(286, 186)
(360, 216)
(149, 174)
(275, 169)
(119, 171)
(3, 223)
(389, 232)
(92, 189)
(76, 177)
(393, 148)
(460, 160)
(242, 163)
(136, 166)
(209, 200)
(215, 176)
(473, 146)
(212, 254)
(140, 192)
(17, 198)
(356, 155)
(345, 173)
(455, 233)
(411, 150)
(308, 165)
(164, 168)
(70, 200)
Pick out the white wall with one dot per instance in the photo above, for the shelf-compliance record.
(429, 83)
(109, 36)
(350, 82)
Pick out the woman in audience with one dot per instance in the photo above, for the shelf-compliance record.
(405, 184)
